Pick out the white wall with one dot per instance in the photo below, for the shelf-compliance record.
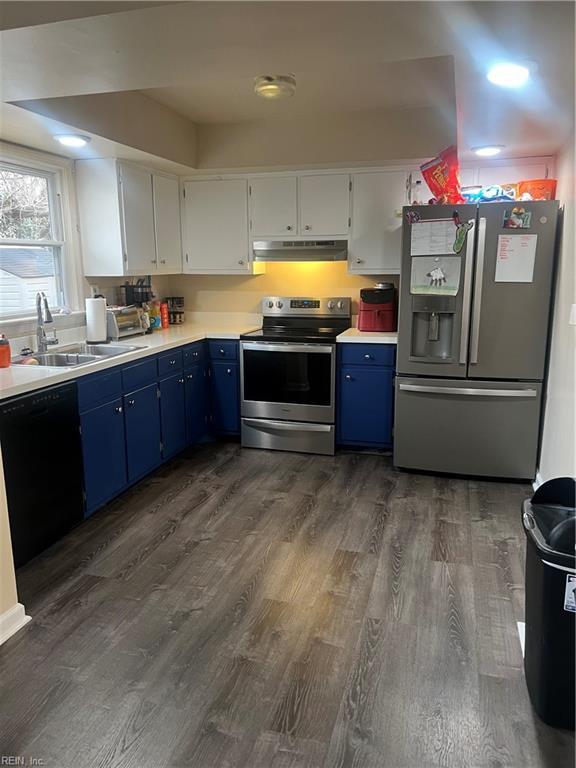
(558, 456)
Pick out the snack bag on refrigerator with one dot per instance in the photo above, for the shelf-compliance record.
(443, 178)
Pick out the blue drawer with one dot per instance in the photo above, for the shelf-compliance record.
(139, 374)
(368, 354)
(99, 389)
(223, 350)
(193, 353)
(171, 362)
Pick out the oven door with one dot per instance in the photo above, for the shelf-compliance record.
(294, 382)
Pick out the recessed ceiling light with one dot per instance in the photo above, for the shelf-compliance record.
(489, 151)
(508, 75)
(275, 86)
(73, 140)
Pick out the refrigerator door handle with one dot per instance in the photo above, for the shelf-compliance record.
(466, 295)
(477, 307)
(469, 391)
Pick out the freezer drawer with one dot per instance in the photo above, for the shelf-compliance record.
(486, 428)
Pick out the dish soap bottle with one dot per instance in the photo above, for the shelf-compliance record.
(5, 355)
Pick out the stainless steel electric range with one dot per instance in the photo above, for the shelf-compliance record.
(288, 374)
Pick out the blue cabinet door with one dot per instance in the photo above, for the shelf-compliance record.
(142, 417)
(225, 398)
(196, 403)
(365, 403)
(173, 415)
(104, 452)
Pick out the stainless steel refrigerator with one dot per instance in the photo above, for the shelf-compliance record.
(475, 305)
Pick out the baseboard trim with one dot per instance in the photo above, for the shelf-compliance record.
(12, 620)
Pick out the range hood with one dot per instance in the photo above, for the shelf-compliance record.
(300, 250)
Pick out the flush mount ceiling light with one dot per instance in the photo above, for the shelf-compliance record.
(508, 75)
(489, 151)
(275, 86)
(73, 140)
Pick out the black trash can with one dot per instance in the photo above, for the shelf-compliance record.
(549, 519)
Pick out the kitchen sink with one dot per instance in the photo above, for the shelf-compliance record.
(59, 359)
(102, 350)
(78, 354)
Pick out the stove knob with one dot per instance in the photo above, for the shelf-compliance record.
(270, 304)
(340, 305)
(279, 304)
(331, 305)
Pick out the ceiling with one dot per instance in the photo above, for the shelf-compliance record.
(199, 59)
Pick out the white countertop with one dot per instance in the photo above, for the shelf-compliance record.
(19, 379)
(354, 336)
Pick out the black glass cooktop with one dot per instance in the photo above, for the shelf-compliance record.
(303, 335)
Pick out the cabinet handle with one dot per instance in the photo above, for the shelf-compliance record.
(367, 357)
(221, 351)
(348, 377)
(195, 354)
(162, 261)
(118, 409)
(289, 228)
(307, 227)
(153, 261)
(131, 403)
(240, 261)
(180, 381)
(228, 371)
(358, 261)
(172, 362)
(189, 376)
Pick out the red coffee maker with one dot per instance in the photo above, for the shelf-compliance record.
(378, 308)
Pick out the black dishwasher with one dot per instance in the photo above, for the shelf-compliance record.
(42, 457)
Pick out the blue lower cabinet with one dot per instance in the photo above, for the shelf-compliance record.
(225, 396)
(104, 453)
(142, 418)
(365, 406)
(173, 415)
(196, 403)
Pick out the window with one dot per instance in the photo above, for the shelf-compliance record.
(31, 241)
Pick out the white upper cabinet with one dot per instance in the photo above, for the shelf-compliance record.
(129, 219)
(274, 206)
(510, 173)
(138, 219)
(376, 240)
(324, 203)
(166, 197)
(215, 226)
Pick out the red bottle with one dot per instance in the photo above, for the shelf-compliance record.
(164, 317)
(5, 355)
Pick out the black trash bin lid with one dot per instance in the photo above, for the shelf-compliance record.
(552, 511)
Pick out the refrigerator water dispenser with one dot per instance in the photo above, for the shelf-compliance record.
(432, 328)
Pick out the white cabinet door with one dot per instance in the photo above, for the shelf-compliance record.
(137, 220)
(167, 224)
(215, 227)
(273, 205)
(509, 174)
(324, 205)
(376, 240)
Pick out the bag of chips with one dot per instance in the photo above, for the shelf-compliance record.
(443, 178)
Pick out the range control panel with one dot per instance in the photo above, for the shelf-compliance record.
(303, 306)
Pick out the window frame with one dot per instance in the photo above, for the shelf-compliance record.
(63, 216)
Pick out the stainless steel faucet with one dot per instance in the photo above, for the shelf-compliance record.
(44, 317)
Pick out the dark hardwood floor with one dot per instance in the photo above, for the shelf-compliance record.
(273, 610)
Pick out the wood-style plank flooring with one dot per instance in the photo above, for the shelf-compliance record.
(274, 610)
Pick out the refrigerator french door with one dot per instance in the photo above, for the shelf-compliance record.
(471, 369)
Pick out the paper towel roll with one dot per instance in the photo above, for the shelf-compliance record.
(96, 320)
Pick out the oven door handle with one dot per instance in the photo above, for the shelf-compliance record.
(265, 346)
(285, 426)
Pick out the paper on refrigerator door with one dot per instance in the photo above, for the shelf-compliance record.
(432, 238)
(435, 275)
(515, 258)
